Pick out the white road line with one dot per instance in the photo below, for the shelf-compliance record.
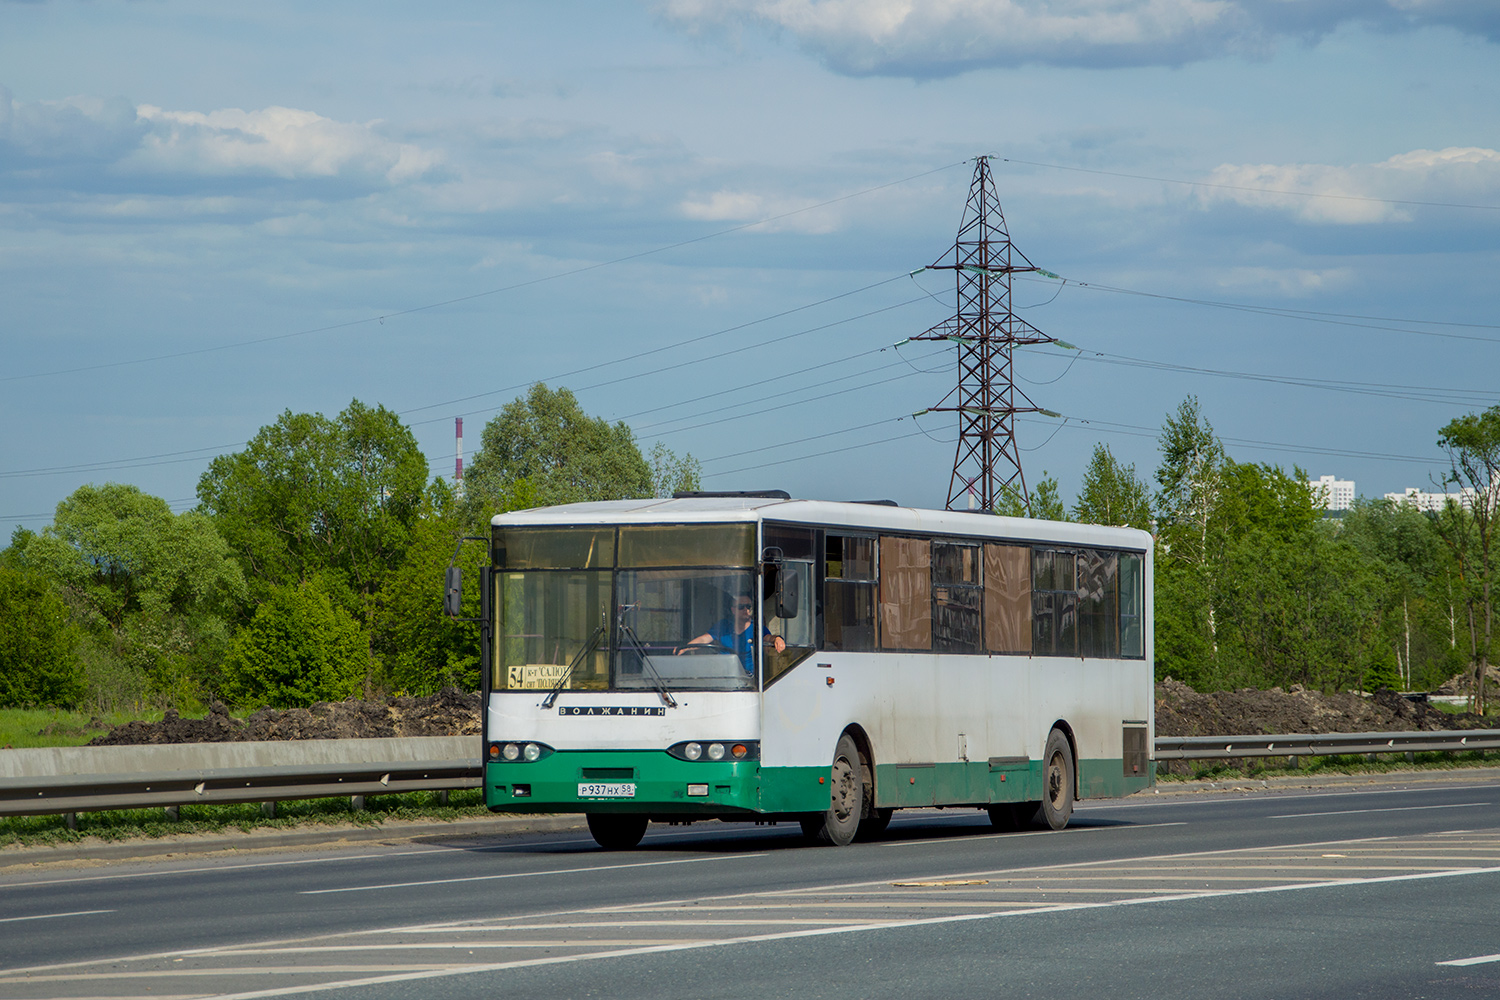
(1391, 809)
(829, 931)
(928, 842)
(556, 871)
(1480, 960)
(217, 868)
(50, 916)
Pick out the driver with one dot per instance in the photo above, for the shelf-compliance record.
(734, 634)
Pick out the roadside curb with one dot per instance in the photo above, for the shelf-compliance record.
(393, 831)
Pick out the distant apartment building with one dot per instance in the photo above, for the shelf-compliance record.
(1336, 494)
(1433, 502)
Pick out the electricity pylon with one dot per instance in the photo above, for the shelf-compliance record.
(987, 465)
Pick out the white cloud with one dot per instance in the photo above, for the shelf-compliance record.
(122, 140)
(1389, 191)
(279, 142)
(936, 38)
(727, 205)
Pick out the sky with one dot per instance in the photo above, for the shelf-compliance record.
(703, 218)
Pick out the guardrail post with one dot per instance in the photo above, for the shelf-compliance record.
(1411, 757)
(173, 813)
(70, 820)
(268, 809)
(357, 803)
(1292, 763)
(442, 796)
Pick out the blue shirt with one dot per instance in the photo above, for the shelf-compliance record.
(724, 634)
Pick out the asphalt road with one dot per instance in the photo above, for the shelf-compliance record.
(1372, 891)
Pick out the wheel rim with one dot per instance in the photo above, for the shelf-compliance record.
(1056, 781)
(844, 793)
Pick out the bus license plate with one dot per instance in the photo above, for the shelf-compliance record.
(606, 790)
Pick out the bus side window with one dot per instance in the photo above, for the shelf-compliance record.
(1054, 603)
(1131, 597)
(905, 593)
(1098, 604)
(849, 593)
(956, 597)
(1007, 598)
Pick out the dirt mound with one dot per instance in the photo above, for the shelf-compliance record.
(450, 712)
(1181, 711)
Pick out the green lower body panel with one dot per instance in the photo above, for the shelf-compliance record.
(983, 782)
(658, 785)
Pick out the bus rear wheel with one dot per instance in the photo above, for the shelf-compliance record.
(846, 799)
(1057, 782)
(616, 832)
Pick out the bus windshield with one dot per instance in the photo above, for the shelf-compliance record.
(657, 607)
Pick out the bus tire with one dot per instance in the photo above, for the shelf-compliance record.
(846, 797)
(615, 832)
(1057, 782)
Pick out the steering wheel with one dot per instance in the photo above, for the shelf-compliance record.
(699, 648)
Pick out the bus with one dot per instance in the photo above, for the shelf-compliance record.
(753, 657)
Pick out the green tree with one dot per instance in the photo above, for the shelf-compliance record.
(544, 450)
(422, 650)
(311, 497)
(154, 590)
(1473, 446)
(1192, 461)
(37, 636)
(670, 474)
(299, 648)
(1112, 494)
(1046, 502)
(1415, 573)
(1187, 556)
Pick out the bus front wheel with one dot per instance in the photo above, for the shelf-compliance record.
(1057, 782)
(846, 799)
(617, 833)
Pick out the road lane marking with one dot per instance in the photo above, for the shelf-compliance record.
(555, 871)
(1480, 960)
(50, 916)
(1392, 809)
(919, 841)
(219, 868)
(827, 932)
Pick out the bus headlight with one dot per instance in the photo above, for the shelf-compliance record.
(722, 751)
(514, 753)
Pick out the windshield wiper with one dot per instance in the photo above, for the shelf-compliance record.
(644, 654)
(588, 648)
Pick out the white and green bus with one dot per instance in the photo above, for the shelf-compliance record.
(750, 657)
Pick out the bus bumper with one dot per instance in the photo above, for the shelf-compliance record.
(624, 781)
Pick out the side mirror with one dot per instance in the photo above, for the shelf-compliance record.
(453, 592)
(788, 590)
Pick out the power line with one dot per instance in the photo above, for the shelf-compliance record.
(1307, 315)
(1425, 394)
(381, 318)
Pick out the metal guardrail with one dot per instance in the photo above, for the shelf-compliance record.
(87, 779)
(1322, 744)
